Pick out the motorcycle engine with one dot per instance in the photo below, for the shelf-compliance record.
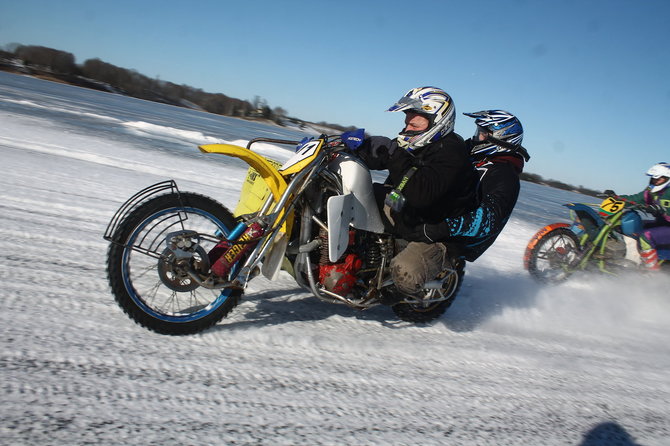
(340, 278)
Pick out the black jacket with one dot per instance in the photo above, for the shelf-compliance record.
(499, 187)
(475, 231)
(444, 184)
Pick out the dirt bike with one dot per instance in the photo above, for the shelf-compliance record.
(602, 240)
(178, 262)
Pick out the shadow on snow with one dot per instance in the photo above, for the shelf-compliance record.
(479, 299)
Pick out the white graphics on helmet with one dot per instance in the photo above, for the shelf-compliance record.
(503, 129)
(660, 174)
(436, 105)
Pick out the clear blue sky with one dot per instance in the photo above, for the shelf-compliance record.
(588, 79)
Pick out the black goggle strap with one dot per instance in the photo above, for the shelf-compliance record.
(511, 147)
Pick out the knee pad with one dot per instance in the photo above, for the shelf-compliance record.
(406, 280)
(416, 264)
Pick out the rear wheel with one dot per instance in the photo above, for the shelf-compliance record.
(553, 255)
(434, 302)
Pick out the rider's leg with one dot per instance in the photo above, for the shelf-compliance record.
(650, 259)
(416, 264)
(652, 239)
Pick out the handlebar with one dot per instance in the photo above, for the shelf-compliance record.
(276, 141)
(330, 141)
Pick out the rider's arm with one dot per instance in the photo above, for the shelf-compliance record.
(376, 150)
(500, 190)
(638, 198)
(658, 205)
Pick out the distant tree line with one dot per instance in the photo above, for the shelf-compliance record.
(93, 73)
(534, 178)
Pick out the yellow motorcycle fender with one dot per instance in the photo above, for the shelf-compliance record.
(253, 192)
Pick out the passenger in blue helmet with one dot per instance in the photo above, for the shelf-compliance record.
(430, 179)
(499, 158)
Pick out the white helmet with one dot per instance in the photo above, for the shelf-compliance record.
(436, 105)
(660, 174)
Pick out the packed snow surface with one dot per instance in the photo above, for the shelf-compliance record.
(512, 362)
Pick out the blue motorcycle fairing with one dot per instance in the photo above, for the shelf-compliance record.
(580, 208)
(631, 224)
(586, 219)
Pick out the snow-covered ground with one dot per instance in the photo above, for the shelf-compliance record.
(510, 363)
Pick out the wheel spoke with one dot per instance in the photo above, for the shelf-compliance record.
(166, 241)
(163, 285)
(553, 255)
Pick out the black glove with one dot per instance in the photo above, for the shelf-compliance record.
(607, 193)
(655, 209)
(375, 152)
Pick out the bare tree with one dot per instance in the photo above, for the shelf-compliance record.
(49, 58)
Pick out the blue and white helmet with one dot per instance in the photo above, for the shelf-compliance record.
(502, 133)
(436, 105)
(660, 174)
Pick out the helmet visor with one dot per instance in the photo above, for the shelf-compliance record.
(407, 103)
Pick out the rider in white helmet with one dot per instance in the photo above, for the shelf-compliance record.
(430, 178)
(435, 106)
(656, 196)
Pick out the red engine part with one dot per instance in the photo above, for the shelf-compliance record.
(224, 255)
(340, 277)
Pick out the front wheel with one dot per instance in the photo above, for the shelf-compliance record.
(551, 258)
(150, 283)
